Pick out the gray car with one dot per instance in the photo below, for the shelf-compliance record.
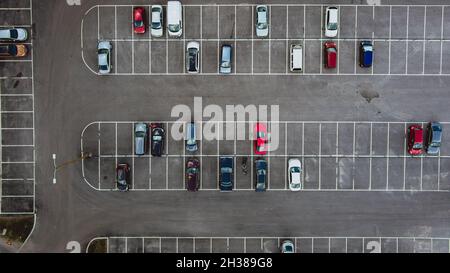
(140, 138)
(225, 60)
(104, 57)
(434, 138)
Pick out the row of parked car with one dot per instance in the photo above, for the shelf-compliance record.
(142, 131)
(14, 49)
(156, 131)
(175, 29)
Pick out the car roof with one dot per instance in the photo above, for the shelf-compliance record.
(418, 134)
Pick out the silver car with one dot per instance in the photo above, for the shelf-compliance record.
(156, 27)
(104, 57)
(14, 34)
(140, 138)
(262, 21)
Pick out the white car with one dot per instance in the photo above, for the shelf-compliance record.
(331, 22)
(262, 21)
(14, 34)
(295, 174)
(104, 57)
(156, 26)
(174, 19)
(287, 246)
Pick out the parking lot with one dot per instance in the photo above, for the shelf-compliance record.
(271, 244)
(408, 40)
(17, 153)
(355, 156)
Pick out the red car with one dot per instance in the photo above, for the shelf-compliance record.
(415, 139)
(138, 20)
(261, 139)
(330, 54)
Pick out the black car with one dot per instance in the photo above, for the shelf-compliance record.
(226, 174)
(157, 139)
(122, 176)
(261, 174)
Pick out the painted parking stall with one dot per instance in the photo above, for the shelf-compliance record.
(335, 155)
(272, 244)
(408, 40)
(17, 183)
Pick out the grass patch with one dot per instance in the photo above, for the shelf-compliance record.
(98, 246)
(17, 227)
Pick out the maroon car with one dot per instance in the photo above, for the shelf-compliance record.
(192, 174)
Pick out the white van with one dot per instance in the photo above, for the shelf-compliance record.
(296, 58)
(174, 18)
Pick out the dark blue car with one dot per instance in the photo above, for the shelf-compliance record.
(434, 138)
(366, 54)
(261, 174)
(226, 174)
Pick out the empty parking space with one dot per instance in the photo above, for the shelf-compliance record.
(408, 40)
(17, 116)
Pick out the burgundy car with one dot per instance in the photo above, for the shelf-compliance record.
(330, 54)
(415, 139)
(192, 174)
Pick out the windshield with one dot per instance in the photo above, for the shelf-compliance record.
(14, 33)
(174, 28)
(332, 26)
(138, 23)
(192, 170)
(156, 25)
(103, 67)
(262, 25)
(225, 64)
(295, 170)
(226, 170)
(417, 146)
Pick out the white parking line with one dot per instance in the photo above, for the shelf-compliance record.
(442, 37)
(134, 153)
(407, 37)
(286, 158)
(321, 39)
(404, 157)
(353, 152)
(99, 157)
(320, 152)
(218, 38)
(287, 43)
(424, 37)
(387, 160)
(390, 37)
(270, 36)
(370, 158)
(132, 43)
(116, 147)
(167, 157)
(421, 168)
(356, 36)
(201, 42)
(115, 38)
(337, 152)
(150, 45)
(253, 32)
